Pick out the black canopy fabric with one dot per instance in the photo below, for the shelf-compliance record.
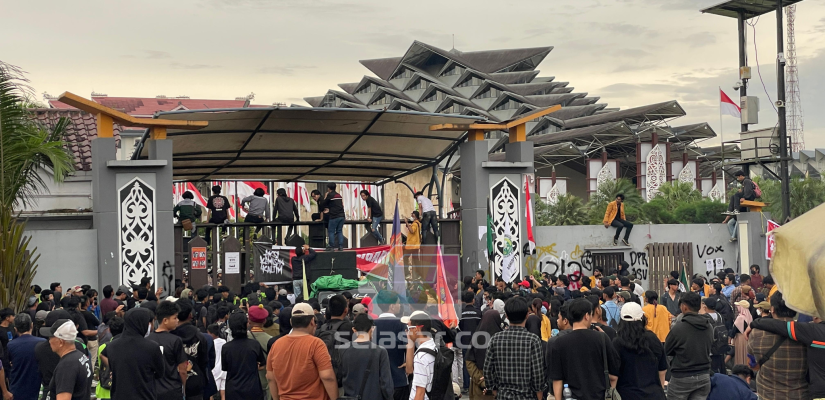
(309, 144)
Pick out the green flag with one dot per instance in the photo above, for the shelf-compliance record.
(683, 279)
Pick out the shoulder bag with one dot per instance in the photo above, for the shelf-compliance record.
(610, 393)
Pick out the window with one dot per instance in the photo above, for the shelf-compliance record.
(420, 84)
(331, 101)
(544, 91)
(455, 108)
(454, 70)
(404, 73)
(369, 88)
(493, 92)
(437, 95)
(472, 81)
(510, 104)
(385, 99)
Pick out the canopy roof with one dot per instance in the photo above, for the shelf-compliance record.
(749, 8)
(309, 144)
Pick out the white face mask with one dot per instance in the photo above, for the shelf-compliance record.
(759, 311)
(148, 330)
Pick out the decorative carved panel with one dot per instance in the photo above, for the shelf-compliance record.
(507, 242)
(136, 241)
(656, 171)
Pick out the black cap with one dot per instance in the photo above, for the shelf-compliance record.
(56, 315)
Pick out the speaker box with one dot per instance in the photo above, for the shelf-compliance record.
(328, 263)
(294, 241)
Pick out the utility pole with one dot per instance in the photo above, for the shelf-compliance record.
(743, 62)
(780, 105)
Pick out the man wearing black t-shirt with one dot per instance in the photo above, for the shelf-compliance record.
(72, 379)
(170, 385)
(218, 206)
(376, 213)
(7, 333)
(579, 354)
(136, 362)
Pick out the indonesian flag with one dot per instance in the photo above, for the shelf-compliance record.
(728, 107)
(529, 215)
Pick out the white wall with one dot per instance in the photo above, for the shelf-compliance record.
(66, 256)
(75, 193)
(565, 247)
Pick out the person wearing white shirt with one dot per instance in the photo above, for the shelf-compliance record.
(428, 216)
(420, 337)
(218, 372)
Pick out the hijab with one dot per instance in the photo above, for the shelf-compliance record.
(744, 318)
(533, 325)
(498, 305)
(491, 323)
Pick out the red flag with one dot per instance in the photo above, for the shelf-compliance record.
(728, 107)
(446, 307)
(529, 215)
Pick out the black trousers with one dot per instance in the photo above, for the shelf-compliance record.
(208, 235)
(619, 224)
(401, 393)
(717, 364)
(289, 231)
(254, 219)
(736, 199)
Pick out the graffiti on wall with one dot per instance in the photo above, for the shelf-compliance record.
(548, 259)
(711, 257)
(638, 264)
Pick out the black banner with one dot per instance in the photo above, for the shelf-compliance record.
(272, 263)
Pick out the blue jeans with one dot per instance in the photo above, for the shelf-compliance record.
(732, 227)
(336, 227)
(376, 222)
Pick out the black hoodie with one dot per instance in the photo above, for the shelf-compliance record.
(135, 361)
(689, 343)
(195, 347)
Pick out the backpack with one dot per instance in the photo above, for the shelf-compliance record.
(327, 335)
(720, 336)
(105, 373)
(442, 383)
(756, 190)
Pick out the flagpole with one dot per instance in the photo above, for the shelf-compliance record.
(722, 139)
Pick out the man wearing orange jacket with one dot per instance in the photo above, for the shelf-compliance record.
(614, 216)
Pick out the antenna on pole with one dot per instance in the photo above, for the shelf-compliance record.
(796, 125)
(453, 41)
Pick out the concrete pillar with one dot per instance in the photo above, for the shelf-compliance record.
(474, 192)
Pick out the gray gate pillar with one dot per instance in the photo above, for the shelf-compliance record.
(132, 202)
(752, 241)
(481, 184)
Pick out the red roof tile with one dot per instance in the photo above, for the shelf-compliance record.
(146, 107)
(79, 134)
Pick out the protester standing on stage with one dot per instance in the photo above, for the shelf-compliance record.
(257, 208)
(429, 216)
(376, 214)
(218, 211)
(286, 212)
(333, 206)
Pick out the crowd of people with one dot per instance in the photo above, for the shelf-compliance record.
(591, 337)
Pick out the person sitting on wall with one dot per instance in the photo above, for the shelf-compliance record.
(187, 212)
(614, 216)
(746, 192)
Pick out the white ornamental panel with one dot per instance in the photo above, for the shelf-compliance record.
(507, 230)
(656, 171)
(686, 175)
(553, 195)
(606, 174)
(718, 192)
(136, 239)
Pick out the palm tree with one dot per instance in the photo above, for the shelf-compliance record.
(676, 193)
(568, 210)
(806, 193)
(607, 192)
(27, 150)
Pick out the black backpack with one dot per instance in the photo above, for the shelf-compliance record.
(720, 336)
(442, 384)
(327, 335)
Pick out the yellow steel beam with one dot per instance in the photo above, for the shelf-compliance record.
(533, 115)
(496, 127)
(475, 134)
(518, 133)
(125, 119)
(105, 126)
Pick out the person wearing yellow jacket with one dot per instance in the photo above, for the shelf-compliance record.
(614, 216)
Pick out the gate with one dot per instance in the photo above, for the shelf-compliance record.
(608, 261)
(666, 257)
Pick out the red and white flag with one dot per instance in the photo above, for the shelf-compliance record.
(771, 241)
(529, 215)
(728, 107)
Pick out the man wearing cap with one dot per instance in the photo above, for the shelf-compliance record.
(298, 365)
(72, 379)
(257, 316)
(24, 377)
(763, 309)
(390, 334)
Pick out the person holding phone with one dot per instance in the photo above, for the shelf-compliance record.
(413, 246)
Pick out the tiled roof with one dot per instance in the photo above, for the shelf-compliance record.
(79, 134)
(139, 106)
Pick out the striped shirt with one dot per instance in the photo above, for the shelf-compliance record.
(423, 364)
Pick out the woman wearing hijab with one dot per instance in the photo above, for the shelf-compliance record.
(498, 305)
(136, 362)
(740, 324)
(490, 324)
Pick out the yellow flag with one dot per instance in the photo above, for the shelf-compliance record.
(306, 292)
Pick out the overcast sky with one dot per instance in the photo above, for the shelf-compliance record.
(628, 52)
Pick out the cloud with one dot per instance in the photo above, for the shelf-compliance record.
(633, 67)
(624, 29)
(193, 66)
(699, 39)
(150, 55)
(287, 70)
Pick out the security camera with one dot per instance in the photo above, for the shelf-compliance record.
(737, 85)
(781, 58)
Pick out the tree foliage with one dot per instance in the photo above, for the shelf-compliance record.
(568, 210)
(806, 193)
